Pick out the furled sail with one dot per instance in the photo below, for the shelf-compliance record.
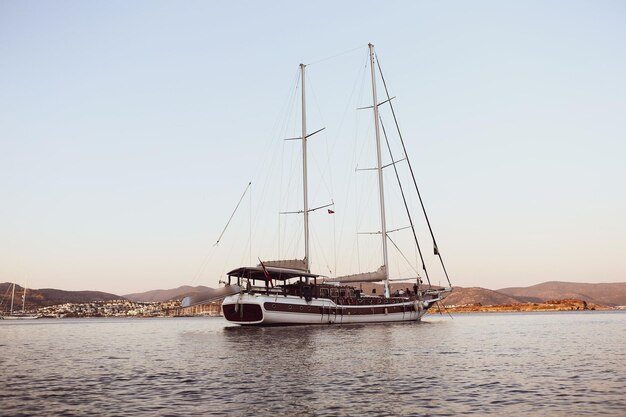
(378, 275)
(299, 264)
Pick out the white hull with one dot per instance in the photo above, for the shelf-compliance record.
(19, 317)
(292, 310)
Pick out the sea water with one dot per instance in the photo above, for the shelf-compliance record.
(512, 364)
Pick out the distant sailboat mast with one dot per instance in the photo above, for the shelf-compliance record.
(12, 297)
(381, 191)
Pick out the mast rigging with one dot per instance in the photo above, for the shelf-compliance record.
(381, 191)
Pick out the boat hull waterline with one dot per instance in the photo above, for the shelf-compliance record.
(14, 317)
(268, 310)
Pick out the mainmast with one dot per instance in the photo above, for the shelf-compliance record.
(381, 191)
(304, 175)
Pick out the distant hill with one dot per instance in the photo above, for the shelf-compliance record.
(165, 295)
(610, 294)
(459, 295)
(47, 297)
(475, 295)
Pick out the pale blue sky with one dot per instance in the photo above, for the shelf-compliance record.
(128, 131)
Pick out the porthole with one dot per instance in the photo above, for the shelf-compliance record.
(274, 306)
(290, 307)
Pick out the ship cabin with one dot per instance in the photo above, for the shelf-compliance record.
(294, 282)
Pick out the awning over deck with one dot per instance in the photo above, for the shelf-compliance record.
(256, 272)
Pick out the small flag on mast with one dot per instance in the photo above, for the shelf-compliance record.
(330, 211)
(266, 273)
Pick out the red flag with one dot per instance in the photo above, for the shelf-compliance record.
(266, 273)
(330, 211)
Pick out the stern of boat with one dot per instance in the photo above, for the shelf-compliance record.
(244, 309)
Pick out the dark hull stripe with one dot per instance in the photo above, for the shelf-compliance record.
(339, 310)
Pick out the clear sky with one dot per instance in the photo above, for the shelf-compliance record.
(128, 131)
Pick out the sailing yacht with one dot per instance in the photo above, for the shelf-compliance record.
(17, 315)
(286, 292)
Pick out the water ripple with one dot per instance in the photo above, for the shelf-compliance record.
(514, 364)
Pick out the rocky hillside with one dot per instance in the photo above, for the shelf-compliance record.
(611, 294)
(550, 305)
(475, 295)
(166, 295)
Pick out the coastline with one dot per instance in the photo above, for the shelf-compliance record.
(547, 306)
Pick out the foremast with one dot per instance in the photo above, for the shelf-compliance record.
(304, 264)
(379, 169)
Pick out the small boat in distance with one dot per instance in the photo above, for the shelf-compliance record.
(286, 292)
(18, 315)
